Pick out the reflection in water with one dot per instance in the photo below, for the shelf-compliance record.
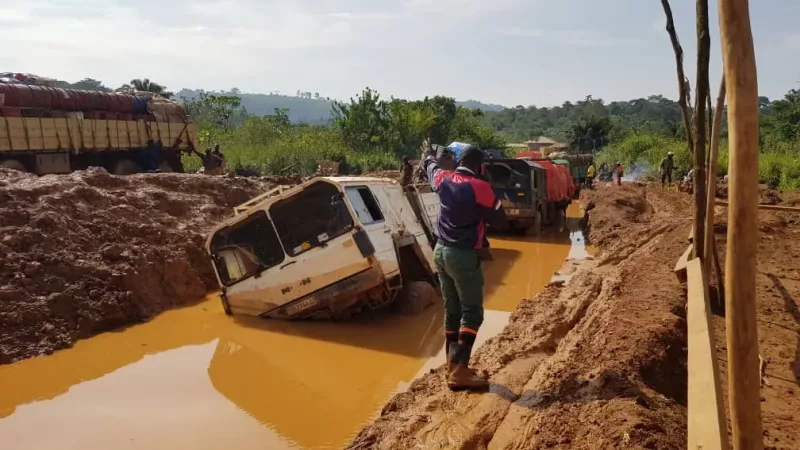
(195, 378)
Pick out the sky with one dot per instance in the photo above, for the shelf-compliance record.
(510, 52)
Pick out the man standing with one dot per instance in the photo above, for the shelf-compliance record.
(666, 168)
(406, 172)
(220, 156)
(590, 176)
(619, 173)
(467, 205)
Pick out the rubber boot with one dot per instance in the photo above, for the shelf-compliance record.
(450, 339)
(459, 375)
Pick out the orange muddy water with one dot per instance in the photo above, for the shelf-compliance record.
(196, 378)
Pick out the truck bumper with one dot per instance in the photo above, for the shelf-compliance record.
(332, 301)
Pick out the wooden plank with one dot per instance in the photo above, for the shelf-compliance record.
(49, 134)
(706, 413)
(680, 266)
(766, 207)
(75, 133)
(87, 134)
(100, 130)
(163, 131)
(62, 131)
(123, 137)
(34, 129)
(144, 131)
(113, 134)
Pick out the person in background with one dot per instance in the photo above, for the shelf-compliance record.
(212, 164)
(406, 172)
(467, 204)
(666, 168)
(150, 156)
(221, 156)
(619, 172)
(590, 176)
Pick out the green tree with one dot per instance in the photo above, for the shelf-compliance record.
(145, 85)
(90, 84)
(216, 111)
(364, 122)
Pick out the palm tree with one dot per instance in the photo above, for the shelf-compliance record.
(145, 85)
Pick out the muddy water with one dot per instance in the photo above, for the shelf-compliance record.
(195, 378)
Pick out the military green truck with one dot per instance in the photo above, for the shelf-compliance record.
(520, 186)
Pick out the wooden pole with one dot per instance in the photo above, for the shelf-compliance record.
(739, 60)
(699, 182)
(713, 156)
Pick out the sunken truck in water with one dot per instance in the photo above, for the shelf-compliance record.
(327, 248)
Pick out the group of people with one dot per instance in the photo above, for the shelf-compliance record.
(617, 175)
(665, 169)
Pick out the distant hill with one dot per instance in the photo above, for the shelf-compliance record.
(306, 108)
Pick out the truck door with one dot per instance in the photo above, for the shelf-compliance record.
(373, 218)
(400, 205)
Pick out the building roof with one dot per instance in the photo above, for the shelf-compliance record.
(543, 140)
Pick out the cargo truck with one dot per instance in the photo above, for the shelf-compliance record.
(50, 130)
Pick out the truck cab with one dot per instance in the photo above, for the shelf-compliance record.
(520, 187)
(327, 248)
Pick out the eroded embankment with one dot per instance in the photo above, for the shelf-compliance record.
(597, 364)
(88, 252)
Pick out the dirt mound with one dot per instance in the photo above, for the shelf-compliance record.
(621, 208)
(600, 363)
(88, 252)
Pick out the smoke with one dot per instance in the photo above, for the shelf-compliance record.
(639, 169)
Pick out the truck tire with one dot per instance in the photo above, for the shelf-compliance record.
(126, 167)
(415, 298)
(13, 164)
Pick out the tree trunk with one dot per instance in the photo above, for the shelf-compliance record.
(699, 182)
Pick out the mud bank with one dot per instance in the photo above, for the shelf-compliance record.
(89, 252)
(778, 319)
(597, 364)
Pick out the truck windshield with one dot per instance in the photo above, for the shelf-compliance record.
(311, 218)
(509, 175)
(246, 248)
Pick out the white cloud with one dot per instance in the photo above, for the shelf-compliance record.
(792, 40)
(576, 38)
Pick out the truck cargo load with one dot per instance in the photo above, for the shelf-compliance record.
(50, 130)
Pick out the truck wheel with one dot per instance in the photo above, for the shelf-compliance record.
(415, 297)
(126, 167)
(13, 164)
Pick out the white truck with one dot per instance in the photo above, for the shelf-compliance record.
(328, 248)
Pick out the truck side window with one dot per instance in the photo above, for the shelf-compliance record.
(364, 203)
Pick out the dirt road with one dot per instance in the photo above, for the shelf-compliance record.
(89, 252)
(602, 363)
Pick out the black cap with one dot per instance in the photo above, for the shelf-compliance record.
(471, 153)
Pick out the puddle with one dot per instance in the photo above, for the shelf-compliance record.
(195, 378)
